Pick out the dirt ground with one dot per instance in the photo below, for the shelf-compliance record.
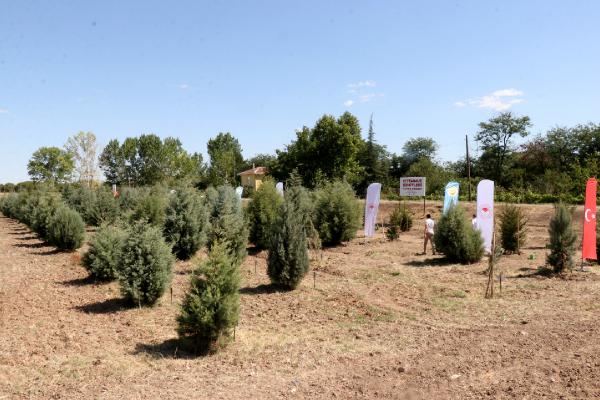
(373, 319)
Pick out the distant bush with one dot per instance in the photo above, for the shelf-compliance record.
(261, 212)
(145, 271)
(288, 260)
(512, 228)
(211, 307)
(337, 213)
(456, 239)
(103, 258)
(186, 222)
(66, 229)
(562, 240)
(227, 224)
(105, 209)
(42, 208)
(151, 207)
(401, 218)
(82, 199)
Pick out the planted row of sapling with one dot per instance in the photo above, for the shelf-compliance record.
(45, 213)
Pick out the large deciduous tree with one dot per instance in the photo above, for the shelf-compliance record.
(147, 160)
(326, 152)
(496, 139)
(226, 159)
(50, 164)
(82, 147)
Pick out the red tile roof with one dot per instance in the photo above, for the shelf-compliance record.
(255, 171)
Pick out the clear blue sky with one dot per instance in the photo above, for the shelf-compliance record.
(261, 69)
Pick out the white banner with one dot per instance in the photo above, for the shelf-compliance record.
(412, 186)
(239, 191)
(485, 212)
(279, 187)
(371, 208)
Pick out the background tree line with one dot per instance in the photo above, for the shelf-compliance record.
(543, 168)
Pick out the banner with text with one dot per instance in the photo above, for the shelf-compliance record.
(485, 212)
(589, 222)
(371, 208)
(412, 186)
(450, 195)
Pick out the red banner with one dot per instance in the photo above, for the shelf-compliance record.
(589, 221)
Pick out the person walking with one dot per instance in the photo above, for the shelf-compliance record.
(428, 234)
(474, 222)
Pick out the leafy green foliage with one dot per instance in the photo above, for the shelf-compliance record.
(186, 222)
(103, 257)
(211, 307)
(150, 206)
(145, 271)
(225, 159)
(512, 228)
(261, 213)
(288, 260)
(401, 218)
(330, 150)
(562, 240)
(227, 222)
(456, 239)
(66, 229)
(148, 160)
(50, 164)
(337, 213)
(392, 232)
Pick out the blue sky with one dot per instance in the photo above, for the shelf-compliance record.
(261, 69)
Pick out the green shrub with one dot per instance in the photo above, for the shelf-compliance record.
(337, 213)
(261, 212)
(392, 232)
(562, 240)
(42, 212)
(66, 229)
(8, 205)
(456, 239)
(186, 222)
(103, 258)
(401, 218)
(146, 264)
(287, 258)
(82, 199)
(227, 224)
(105, 209)
(151, 207)
(211, 307)
(512, 228)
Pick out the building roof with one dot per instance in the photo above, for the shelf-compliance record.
(255, 171)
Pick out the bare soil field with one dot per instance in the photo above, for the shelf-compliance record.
(373, 319)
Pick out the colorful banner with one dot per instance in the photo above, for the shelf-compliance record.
(589, 221)
(450, 195)
(371, 208)
(412, 186)
(279, 187)
(485, 212)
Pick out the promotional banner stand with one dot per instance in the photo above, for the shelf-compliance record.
(588, 245)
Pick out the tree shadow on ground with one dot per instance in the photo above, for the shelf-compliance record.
(263, 289)
(31, 245)
(542, 272)
(109, 306)
(88, 280)
(28, 237)
(48, 252)
(429, 262)
(170, 348)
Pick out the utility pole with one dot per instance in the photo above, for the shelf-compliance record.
(468, 165)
